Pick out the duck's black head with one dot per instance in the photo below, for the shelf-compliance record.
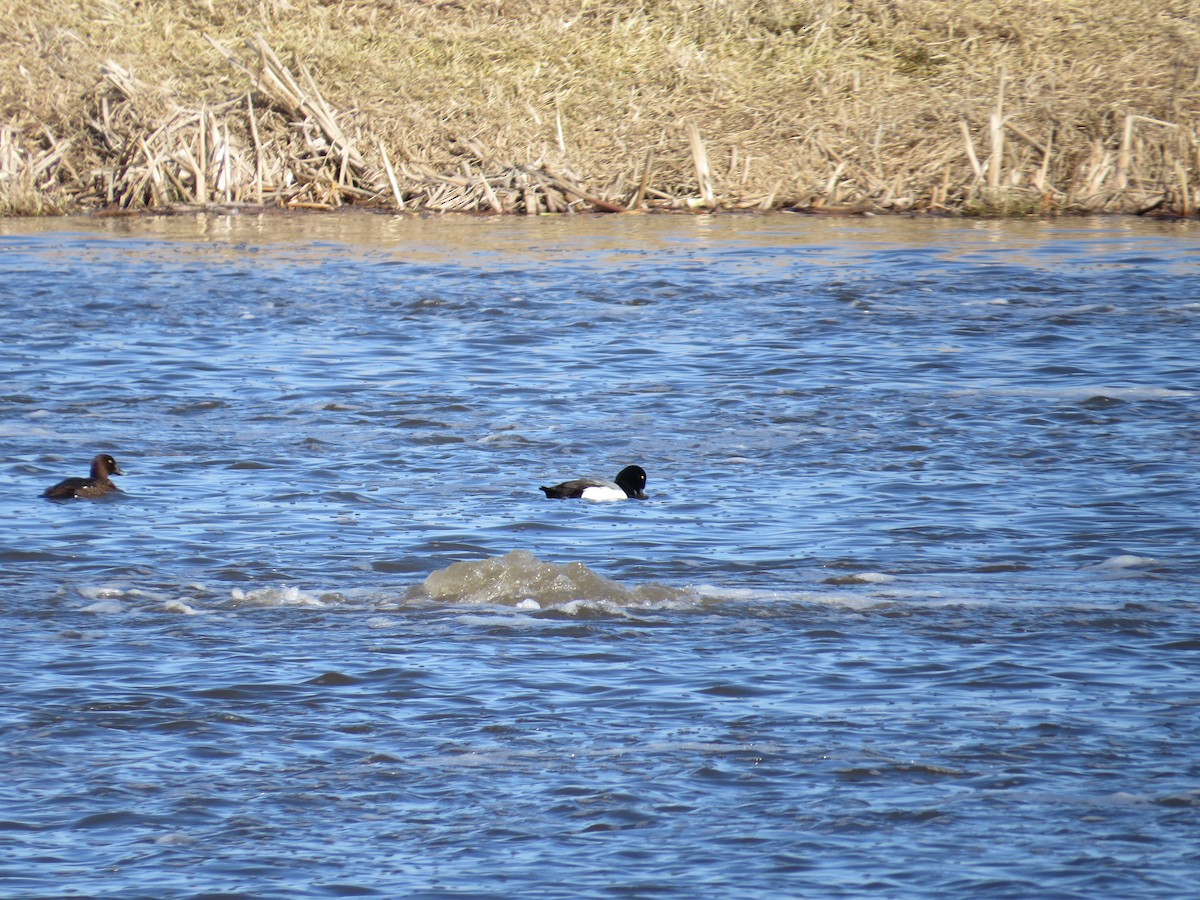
(632, 480)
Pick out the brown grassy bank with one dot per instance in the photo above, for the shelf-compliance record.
(980, 106)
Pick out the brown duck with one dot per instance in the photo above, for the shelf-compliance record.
(98, 485)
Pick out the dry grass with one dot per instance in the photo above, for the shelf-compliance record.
(983, 106)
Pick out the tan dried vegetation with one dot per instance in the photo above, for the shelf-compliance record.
(979, 106)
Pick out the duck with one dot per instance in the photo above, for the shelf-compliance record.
(628, 485)
(98, 485)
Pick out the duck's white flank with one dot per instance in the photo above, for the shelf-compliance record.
(603, 493)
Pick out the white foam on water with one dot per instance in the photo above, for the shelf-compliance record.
(104, 607)
(1085, 392)
(278, 596)
(523, 585)
(101, 592)
(1126, 561)
(876, 578)
(183, 607)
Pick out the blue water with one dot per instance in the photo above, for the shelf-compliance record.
(913, 608)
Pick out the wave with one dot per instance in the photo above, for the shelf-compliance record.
(522, 580)
(519, 581)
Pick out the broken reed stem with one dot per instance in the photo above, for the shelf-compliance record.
(1025, 136)
(1043, 173)
(201, 193)
(562, 184)
(328, 122)
(1121, 182)
(492, 200)
(226, 165)
(1125, 152)
(700, 161)
(259, 168)
(831, 184)
(391, 174)
(274, 78)
(971, 156)
(644, 182)
(996, 163)
(1185, 200)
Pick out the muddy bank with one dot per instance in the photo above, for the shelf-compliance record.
(1002, 108)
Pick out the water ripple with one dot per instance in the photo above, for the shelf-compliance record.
(910, 609)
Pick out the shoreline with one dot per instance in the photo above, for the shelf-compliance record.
(216, 210)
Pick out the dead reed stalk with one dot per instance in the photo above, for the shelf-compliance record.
(708, 196)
